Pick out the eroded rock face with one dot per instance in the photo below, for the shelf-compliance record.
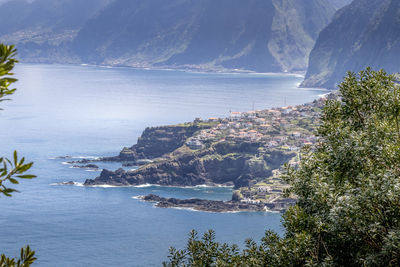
(364, 33)
(198, 168)
(157, 141)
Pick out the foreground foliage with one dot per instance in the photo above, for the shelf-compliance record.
(11, 170)
(27, 257)
(348, 212)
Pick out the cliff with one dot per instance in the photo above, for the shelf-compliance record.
(43, 30)
(158, 141)
(259, 35)
(256, 35)
(364, 33)
(239, 151)
(220, 164)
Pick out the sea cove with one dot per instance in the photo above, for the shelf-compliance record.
(85, 111)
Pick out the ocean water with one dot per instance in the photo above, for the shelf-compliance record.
(88, 111)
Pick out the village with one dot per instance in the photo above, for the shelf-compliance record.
(285, 129)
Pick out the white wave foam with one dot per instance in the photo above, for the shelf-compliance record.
(145, 185)
(192, 209)
(105, 186)
(85, 157)
(187, 209)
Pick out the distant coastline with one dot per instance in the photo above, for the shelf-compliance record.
(200, 70)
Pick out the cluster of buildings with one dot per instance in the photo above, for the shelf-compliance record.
(284, 129)
(287, 128)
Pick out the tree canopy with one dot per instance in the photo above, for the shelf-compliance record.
(348, 189)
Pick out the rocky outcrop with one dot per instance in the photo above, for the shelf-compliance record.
(87, 166)
(158, 141)
(222, 164)
(203, 204)
(218, 206)
(154, 142)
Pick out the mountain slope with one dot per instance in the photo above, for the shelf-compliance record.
(365, 33)
(260, 35)
(40, 28)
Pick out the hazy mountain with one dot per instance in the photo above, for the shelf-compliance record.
(261, 35)
(365, 33)
(39, 27)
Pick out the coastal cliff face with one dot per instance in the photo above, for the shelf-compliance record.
(259, 35)
(218, 165)
(256, 35)
(158, 141)
(241, 151)
(364, 33)
(246, 151)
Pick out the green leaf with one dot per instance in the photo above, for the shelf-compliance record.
(15, 158)
(12, 180)
(25, 167)
(27, 176)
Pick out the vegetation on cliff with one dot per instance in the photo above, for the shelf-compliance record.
(246, 150)
(348, 191)
(257, 35)
(364, 33)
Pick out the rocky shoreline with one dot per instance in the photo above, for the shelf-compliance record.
(247, 150)
(217, 206)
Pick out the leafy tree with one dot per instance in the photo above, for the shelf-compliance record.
(11, 170)
(348, 188)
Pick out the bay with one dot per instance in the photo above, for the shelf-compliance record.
(89, 111)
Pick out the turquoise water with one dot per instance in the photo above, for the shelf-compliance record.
(85, 111)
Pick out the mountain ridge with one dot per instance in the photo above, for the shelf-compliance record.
(256, 35)
(364, 33)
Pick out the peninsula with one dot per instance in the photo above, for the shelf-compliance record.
(247, 151)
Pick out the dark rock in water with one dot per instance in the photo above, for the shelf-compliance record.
(67, 183)
(88, 166)
(203, 205)
(64, 157)
(110, 178)
(218, 206)
(82, 161)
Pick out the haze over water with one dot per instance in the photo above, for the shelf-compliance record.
(84, 111)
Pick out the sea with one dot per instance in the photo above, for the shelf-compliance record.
(92, 111)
